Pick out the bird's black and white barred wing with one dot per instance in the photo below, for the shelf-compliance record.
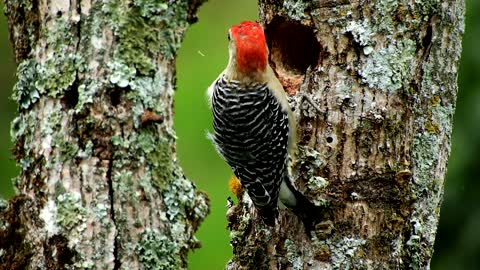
(251, 133)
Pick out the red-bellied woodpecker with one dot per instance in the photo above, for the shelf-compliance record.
(254, 128)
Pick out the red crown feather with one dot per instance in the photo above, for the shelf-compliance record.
(251, 47)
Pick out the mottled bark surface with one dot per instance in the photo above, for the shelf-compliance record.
(99, 186)
(373, 85)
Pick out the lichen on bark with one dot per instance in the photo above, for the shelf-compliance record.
(99, 185)
(374, 106)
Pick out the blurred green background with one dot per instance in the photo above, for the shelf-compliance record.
(203, 56)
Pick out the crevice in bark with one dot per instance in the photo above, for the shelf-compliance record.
(70, 98)
(357, 47)
(357, 133)
(78, 25)
(427, 39)
(425, 45)
(115, 96)
(116, 260)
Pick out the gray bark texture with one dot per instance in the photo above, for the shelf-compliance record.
(373, 85)
(99, 187)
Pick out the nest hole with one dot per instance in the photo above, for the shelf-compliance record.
(293, 46)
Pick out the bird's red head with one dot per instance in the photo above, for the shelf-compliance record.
(251, 48)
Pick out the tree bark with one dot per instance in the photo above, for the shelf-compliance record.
(373, 85)
(99, 187)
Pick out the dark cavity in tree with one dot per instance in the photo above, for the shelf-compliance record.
(115, 95)
(70, 99)
(293, 46)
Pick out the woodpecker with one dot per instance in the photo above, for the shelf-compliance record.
(254, 128)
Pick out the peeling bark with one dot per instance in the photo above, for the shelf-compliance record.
(99, 186)
(373, 85)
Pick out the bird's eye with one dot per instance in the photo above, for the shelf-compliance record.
(228, 36)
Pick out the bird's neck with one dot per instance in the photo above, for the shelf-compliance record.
(247, 76)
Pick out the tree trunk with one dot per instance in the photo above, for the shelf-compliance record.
(99, 186)
(373, 85)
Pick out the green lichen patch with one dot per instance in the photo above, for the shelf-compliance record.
(162, 166)
(425, 152)
(390, 68)
(24, 92)
(52, 120)
(361, 31)
(297, 10)
(147, 145)
(183, 201)
(308, 156)
(84, 264)
(243, 224)
(145, 31)
(294, 255)
(307, 165)
(414, 244)
(149, 90)
(58, 70)
(317, 183)
(70, 212)
(55, 72)
(122, 74)
(200, 208)
(85, 95)
(386, 7)
(427, 8)
(345, 252)
(22, 128)
(101, 212)
(156, 251)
